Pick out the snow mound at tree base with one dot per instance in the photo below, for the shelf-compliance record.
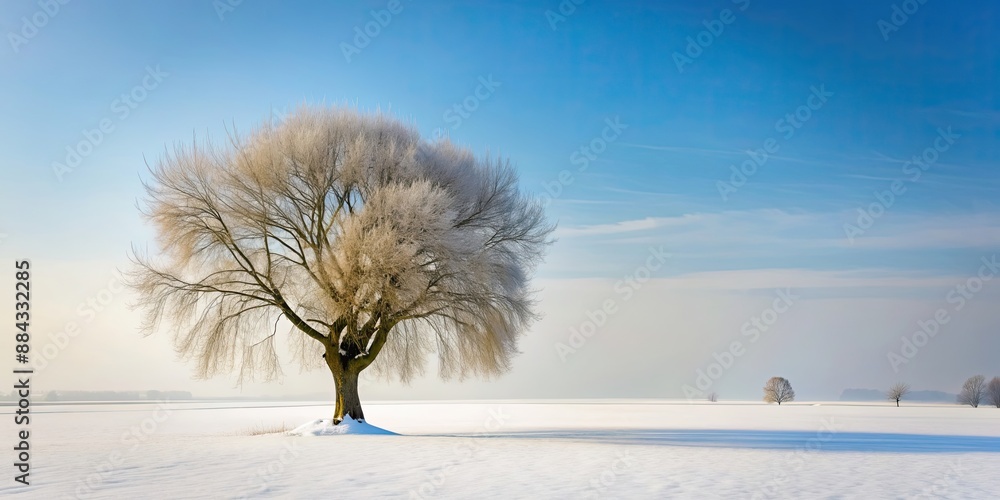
(325, 427)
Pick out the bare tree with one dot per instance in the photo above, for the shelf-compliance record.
(993, 392)
(973, 391)
(897, 391)
(778, 390)
(374, 248)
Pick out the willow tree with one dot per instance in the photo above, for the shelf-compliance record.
(379, 250)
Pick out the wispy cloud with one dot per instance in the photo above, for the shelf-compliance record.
(627, 226)
(801, 279)
(905, 282)
(688, 222)
(865, 177)
(982, 114)
(783, 231)
(970, 231)
(685, 149)
(729, 154)
(580, 201)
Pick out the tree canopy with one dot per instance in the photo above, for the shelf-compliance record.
(377, 247)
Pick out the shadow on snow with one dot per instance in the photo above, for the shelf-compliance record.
(774, 440)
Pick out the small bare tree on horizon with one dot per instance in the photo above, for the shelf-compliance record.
(897, 392)
(376, 247)
(993, 392)
(778, 390)
(973, 391)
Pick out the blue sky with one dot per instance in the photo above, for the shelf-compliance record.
(556, 89)
(557, 82)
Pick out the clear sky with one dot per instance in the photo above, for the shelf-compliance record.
(867, 133)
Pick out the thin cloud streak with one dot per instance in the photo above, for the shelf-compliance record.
(787, 230)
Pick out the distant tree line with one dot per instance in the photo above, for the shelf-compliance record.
(117, 395)
(923, 396)
(976, 391)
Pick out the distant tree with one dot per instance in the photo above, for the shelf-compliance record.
(377, 247)
(778, 390)
(973, 391)
(897, 391)
(993, 392)
(713, 396)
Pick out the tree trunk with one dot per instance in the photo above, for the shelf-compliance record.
(348, 401)
(346, 366)
(345, 372)
(897, 403)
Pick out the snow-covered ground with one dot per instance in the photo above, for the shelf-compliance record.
(509, 449)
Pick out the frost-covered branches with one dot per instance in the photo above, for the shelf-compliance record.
(778, 390)
(973, 391)
(897, 392)
(367, 239)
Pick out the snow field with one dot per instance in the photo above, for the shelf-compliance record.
(516, 449)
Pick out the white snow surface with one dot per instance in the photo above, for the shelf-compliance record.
(325, 427)
(512, 449)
